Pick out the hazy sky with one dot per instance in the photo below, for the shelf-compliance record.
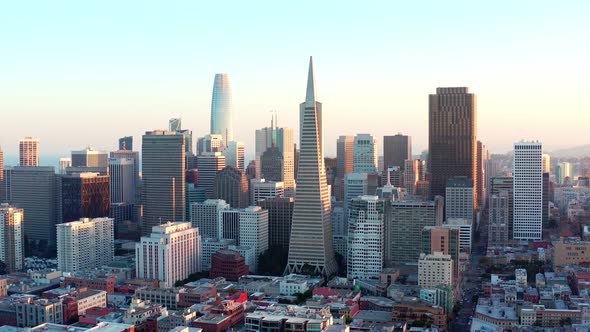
(78, 73)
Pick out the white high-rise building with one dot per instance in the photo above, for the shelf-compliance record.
(261, 189)
(234, 155)
(465, 227)
(122, 172)
(29, 152)
(11, 237)
(365, 238)
(253, 231)
(355, 184)
(206, 217)
(85, 244)
(459, 198)
(210, 143)
(435, 270)
(170, 253)
(365, 154)
(63, 164)
(528, 191)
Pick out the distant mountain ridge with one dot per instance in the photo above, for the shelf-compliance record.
(574, 152)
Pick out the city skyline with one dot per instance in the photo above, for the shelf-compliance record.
(519, 65)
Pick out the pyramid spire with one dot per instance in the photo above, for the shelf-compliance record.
(310, 95)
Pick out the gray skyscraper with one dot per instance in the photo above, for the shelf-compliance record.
(310, 247)
(2, 188)
(208, 164)
(221, 108)
(123, 186)
(396, 149)
(90, 158)
(36, 191)
(163, 184)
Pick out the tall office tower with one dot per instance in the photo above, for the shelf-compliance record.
(355, 184)
(546, 197)
(163, 178)
(36, 191)
(344, 164)
(12, 237)
(434, 270)
(546, 163)
(528, 191)
(221, 108)
(281, 139)
(123, 185)
(280, 214)
(170, 253)
(344, 155)
(310, 246)
(563, 172)
(408, 218)
(452, 144)
(445, 240)
(231, 185)
(254, 231)
(126, 143)
(85, 244)
(29, 151)
(482, 157)
(208, 164)
(396, 150)
(365, 238)
(206, 217)
(499, 184)
(234, 155)
(261, 189)
(85, 195)
(459, 198)
(498, 223)
(210, 143)
(124, 219)
(411, 175)
(64, 163)
(271, 164)
(90, 158)
(175, 124)
(365, 154)
(229, 221)
(128, 154)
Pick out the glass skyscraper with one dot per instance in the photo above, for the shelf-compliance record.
(221, 109)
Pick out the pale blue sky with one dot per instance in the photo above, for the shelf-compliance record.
(77, 73)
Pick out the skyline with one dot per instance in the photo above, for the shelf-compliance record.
(525, 63)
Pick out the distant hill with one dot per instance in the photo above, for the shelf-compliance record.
(574, 152)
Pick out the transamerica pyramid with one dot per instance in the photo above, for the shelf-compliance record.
(310, 246)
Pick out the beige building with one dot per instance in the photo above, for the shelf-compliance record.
(85, 244)
(570, 252)
(170, 253)
(435, 269)
(11, 237)
(29, 152)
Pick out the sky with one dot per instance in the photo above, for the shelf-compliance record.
(83, 73)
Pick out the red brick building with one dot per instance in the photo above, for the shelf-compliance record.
(228, 264)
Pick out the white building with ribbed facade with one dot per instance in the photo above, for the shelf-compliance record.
(528, 191)
(365, 238)
(85, 244)
(365, 154)
(253, 231)
(170, 253)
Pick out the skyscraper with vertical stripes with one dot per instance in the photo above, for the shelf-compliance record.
(310, 246)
